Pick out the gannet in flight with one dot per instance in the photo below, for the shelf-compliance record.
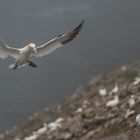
(22, 55)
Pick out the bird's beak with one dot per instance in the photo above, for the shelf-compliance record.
(35, 50)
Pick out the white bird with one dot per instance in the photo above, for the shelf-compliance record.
(113, 103)
(56, 124)
(136, 81)
(132, 101)
(53, 126)
(79, 110)
(42, 130)
(114, 90)
(137, 121)
(102, 92)
(34, 136)
(23, 55)
(59, 120)
(129, 113)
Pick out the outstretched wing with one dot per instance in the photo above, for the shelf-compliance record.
(57, 42)
(6, 51)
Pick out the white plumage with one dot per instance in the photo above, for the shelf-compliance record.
(113, 103)
(53, 126)
(59, 120)
(23, 55)
(136, 81)
(56, 124)
(34, 136)
(129, 113)
(115, 89)
(132, 101)
(42, 131)
(102, 92)
(137, 121)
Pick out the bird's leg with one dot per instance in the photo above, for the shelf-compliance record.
(31, 64)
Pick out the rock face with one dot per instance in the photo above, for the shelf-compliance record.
(85, 115)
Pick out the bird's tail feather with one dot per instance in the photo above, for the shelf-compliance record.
(15, 66)
(12, 66)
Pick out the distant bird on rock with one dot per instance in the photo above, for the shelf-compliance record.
(113, 103)
(22, 55)
(132, 101)
(136, 81)
(56, 124)
(137, 121)
(114, 90)
(34, 136)
(129, 113)
(102, 92)
(43, 130)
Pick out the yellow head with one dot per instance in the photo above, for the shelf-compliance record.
(32, 46)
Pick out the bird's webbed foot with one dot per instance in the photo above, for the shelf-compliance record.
(32, 64)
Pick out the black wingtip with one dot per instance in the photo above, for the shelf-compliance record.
(73, 33)
(79, 27)
(83, 21)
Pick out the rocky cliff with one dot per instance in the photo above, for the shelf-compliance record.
(103, 110)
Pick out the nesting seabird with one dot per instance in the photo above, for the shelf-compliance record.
(132, 101)
(136, 81)
(129, 113)
(102, 92)
(56, 124)
(115, 89)
(34, 136)
(114, 102)
(137, 121)
(22, 55)
(42, 130)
